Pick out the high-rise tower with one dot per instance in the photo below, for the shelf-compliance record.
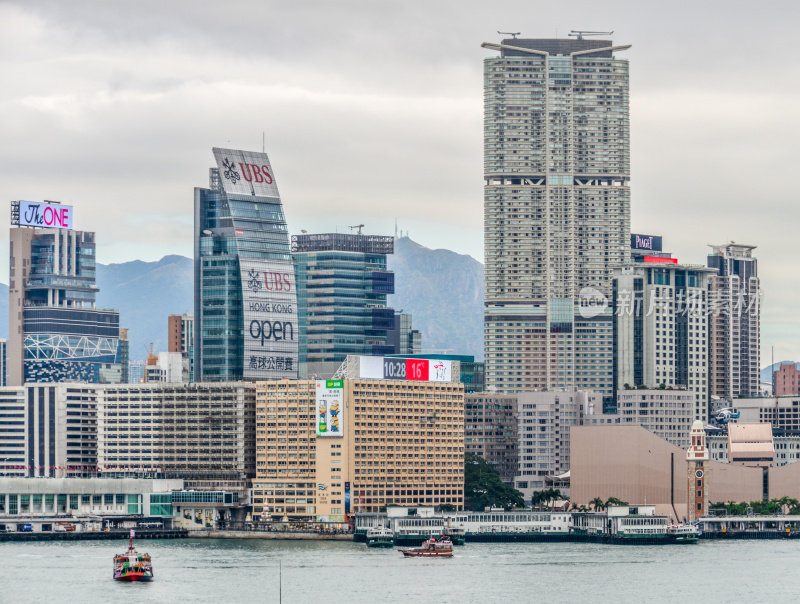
(556, 210)
(735, 322)
(56, 333)
(245, 316)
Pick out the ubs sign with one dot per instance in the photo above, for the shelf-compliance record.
(245, 172)
(270, 319)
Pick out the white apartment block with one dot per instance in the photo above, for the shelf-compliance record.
(666, 413)
(48, 430)
(661, 313)
(544, 420)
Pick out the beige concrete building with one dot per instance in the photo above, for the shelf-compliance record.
(783, 412)
(401, 442)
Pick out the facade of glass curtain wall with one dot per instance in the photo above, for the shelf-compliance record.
(556, 210)
(342, 284)
(54, 323)
(245, 302)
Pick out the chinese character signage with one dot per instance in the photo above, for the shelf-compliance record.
(330, 408)
(390, 368)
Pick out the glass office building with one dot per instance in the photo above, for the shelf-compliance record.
(342, 284)
(245, 300)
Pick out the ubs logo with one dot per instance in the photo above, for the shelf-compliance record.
(277, 282)
(230, 171)
(253, 282)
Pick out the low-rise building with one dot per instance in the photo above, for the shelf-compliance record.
(86, 496)
(490, 430)
(666, 413)
(203, 433)
(783, 412)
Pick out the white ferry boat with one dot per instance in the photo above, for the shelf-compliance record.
(380, 536)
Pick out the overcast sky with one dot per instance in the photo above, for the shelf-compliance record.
(373, 112)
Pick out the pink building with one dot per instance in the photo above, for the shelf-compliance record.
(632, 464)
(787, 380)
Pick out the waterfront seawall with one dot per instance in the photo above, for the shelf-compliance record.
(92, 535)
(281, 535)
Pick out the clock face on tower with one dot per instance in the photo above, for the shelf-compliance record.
(699, 473)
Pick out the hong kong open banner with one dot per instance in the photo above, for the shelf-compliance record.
(270, 319)
(245, 172)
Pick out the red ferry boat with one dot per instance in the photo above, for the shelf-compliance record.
(133, 566)
(431, 549)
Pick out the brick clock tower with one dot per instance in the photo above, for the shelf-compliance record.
(696, 458)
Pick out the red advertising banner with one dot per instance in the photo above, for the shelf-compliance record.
(417, 369)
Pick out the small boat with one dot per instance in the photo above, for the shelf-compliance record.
(430, 549)
(379, 536)
(683, 533)
(458, 536)
(132, 566)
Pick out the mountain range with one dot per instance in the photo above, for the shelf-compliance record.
(443, 291)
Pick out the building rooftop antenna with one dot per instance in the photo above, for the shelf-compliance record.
(357, 226)
(513, 34)
(579, 33)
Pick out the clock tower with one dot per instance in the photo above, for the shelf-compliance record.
(696, 458)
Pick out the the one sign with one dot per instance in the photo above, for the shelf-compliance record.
(45, 215)
(646, 242)
(390, 368)
(330, 408)
(270, 319)
(245, 172)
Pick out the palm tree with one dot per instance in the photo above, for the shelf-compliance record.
(597, 504)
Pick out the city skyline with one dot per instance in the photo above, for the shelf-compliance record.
(113, 114)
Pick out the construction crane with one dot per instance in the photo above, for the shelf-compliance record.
(579, 33)
(513, 34)
(357, 226)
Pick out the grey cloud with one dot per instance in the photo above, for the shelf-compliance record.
(373, 111)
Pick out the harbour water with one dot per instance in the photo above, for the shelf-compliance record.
(200, 570)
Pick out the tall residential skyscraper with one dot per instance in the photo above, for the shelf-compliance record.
(735, 325)
(556, 210)
(245, 299)
(342, 284)
(56, 333)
